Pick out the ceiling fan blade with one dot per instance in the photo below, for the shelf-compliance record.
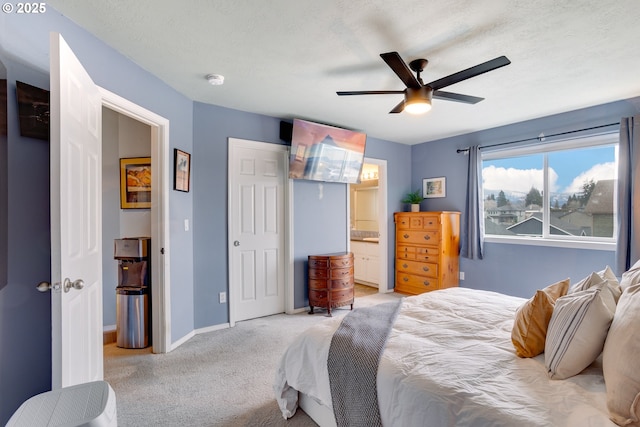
(370, 92)
(469, 72)
(457, 97)
(400, 67)
(398, 108)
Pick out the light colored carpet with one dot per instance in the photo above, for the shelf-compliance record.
(221, 378)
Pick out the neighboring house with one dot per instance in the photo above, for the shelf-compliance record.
(577, 217)
(532, 226)
(600, 207)
(491, 228)
(504, 215)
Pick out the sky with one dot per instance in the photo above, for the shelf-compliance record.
(568, 170)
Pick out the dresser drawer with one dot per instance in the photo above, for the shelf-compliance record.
(318, 263)
(406, 252)
(415, 267)
(427, 254)
(342, 283)
(412, 284)
(419, 237)
(318, 284)
(318, 298)
(318, 273)
(339, 273)
(431, 222)
(342, 262)
(341, 297)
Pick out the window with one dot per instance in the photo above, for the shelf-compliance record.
(555, 192)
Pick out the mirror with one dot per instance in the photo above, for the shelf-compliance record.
(364, 200)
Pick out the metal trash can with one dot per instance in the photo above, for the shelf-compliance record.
(132, 317)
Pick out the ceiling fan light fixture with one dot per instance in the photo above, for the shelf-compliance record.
(418, 101)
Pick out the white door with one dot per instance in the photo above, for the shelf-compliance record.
(76, 181)
(256, 228)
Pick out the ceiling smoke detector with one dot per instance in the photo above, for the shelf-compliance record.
(215, 79)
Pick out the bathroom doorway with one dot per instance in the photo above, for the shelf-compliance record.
(368, 227)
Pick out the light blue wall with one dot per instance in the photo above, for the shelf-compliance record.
(25, 331)
(319, 224)
(25, 314)
(513, 269)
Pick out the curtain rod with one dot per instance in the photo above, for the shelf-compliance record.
(538, 138)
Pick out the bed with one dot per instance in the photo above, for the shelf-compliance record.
(448, 360)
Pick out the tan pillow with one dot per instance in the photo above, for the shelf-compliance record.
(621, 360)
(577, 330)
(532, 319)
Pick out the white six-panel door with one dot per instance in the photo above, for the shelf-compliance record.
(76, 223)
(256, 228)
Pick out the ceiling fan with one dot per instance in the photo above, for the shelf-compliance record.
(417, 95)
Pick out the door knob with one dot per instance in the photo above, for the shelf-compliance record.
(76, 284)
(236, 243)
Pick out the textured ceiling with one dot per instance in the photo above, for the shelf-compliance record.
(287, 58)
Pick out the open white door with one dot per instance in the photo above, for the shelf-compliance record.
(76, 222)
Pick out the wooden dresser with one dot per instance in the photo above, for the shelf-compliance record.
(427, 246)
(331, 280)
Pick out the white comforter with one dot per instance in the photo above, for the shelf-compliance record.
(449, 361)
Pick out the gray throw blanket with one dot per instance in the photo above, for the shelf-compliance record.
(354, 356)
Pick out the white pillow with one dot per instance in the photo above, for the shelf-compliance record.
(621, 360)
(596, 278)
(577, 330)
(631, 276)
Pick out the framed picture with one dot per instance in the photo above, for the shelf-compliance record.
(433, 187)
(135, 183)
(182, 170)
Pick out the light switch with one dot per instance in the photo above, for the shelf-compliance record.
(186, 225)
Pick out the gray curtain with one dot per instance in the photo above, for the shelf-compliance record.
(628, 249)
(472, 239)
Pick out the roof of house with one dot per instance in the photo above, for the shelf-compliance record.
(601, 200)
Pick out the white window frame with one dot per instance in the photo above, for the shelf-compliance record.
(547, 239)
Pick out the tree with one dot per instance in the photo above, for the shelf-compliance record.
(502, 199)
(587, 189)
(533, 197)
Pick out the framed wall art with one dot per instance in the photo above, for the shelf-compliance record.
(182, 170)
(135, 183)
(433, 187)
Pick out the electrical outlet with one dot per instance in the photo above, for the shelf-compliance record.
(462, 275)
(223, 297)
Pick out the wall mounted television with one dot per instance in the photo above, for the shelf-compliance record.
(33, 111)
(326, 153)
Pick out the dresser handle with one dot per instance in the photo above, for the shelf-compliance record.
(427, 237)
(406, 279)
(406, 236)
(426, 283)
(404, 265)
(425, 268)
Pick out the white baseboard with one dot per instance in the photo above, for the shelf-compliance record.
(183, 340)
(212, 328)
